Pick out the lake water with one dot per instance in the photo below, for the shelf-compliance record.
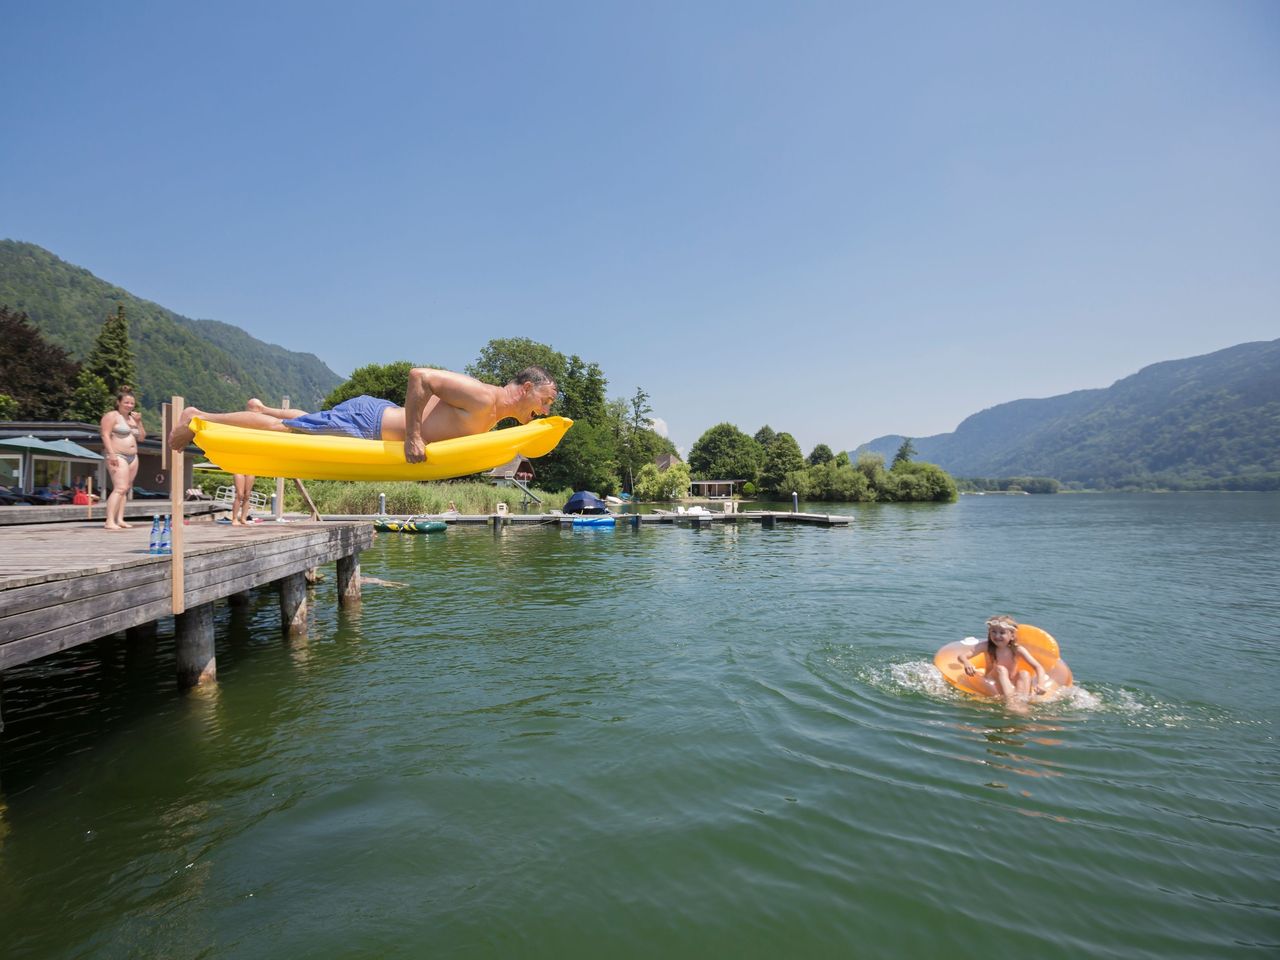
(683, 743)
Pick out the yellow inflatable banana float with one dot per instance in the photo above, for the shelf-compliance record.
(273, 453)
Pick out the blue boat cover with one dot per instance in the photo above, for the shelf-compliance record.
(584, 501)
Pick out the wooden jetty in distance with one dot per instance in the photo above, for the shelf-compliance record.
(64, 584)
(766, 518)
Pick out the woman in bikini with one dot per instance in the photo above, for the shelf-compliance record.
(121, 430)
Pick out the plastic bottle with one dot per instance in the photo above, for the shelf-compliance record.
(155, 534)
(166, 537)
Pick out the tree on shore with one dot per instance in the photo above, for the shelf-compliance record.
(653, 484)
(820, 454)
(91, 399)
(782, 459)
(390, 381)
(905, 452)
(111, 358)
(725, 453)
(37, 375)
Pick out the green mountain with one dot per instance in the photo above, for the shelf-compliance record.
(212, 365)
(1211, 421)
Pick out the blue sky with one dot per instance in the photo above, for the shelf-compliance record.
(840, 219)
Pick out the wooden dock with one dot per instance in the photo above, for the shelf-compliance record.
(64, 584)
(765, 518)
(134, 510)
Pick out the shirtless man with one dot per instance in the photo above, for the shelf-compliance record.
(439, 405)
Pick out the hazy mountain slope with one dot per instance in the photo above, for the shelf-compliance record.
(1212, 416)
(210, 364)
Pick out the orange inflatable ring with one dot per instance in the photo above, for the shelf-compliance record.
(1036, 642)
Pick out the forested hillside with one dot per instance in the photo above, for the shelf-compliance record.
(211, 364)
(1207, 421)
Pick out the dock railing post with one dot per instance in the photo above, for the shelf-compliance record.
(176, 460)
(277, 510)
(795, 502)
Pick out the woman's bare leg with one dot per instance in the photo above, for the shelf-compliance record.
(115, 500)
(132, 471)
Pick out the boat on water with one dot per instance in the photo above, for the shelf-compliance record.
(410, 525)
(594, 521)
(586, 503)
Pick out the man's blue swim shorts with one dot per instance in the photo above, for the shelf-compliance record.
(359, 417)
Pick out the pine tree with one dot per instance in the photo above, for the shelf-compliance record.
(91, 399)
(904, 454)
(111, 357)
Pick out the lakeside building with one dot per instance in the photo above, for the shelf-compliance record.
(38, 454)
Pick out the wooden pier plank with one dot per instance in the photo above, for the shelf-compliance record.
(68, 583)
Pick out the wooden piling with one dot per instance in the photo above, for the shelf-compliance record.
(293, 604)
(175, 461)
(349, 579)
(197, 663)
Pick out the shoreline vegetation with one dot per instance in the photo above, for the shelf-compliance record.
(614, 446)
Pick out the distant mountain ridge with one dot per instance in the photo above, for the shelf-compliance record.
(1184, 422)
(210, 364)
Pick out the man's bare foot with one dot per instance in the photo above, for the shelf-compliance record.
(254, 404)
(182, 434)
(111, 526)
(125, 526)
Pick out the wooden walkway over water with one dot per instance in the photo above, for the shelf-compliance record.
(64, 581)
(765, 518)
(64, 584)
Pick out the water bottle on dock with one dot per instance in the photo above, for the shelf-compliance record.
(166, 537)
(155, 535)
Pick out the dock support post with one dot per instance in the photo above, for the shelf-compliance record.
(349, 579)
(293, 604)
(635, 521)
(197, 663)
(768, 521)
(240, 599)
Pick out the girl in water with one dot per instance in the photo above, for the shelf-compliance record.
(121, 430)
(1003, 678)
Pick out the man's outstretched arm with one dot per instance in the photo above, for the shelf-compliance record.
(455, 389)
